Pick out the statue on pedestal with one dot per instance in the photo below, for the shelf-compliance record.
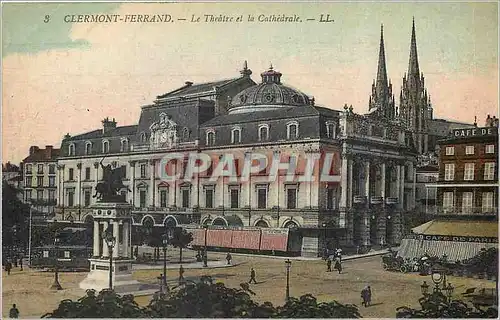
(107, 191)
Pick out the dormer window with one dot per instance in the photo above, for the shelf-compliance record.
(263, 132)
(210, 138)
(105, 146)
(71, 149)
(330, 130)
(124, 145)
(143, 137)
(236, 135)
(292, 130)
(88, 147)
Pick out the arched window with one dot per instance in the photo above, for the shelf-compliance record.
(124, 145)
(185, 134)
(330, 130)
(105, 146)
(210, 138)
(88, 147)
(292, 130)
(236, 135)
(71, 149)
(263, 132)
(143, 137)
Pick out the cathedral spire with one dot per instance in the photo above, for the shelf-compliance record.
(381, 71)
(413, 69)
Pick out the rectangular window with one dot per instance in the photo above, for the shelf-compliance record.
(39, 194)
(142, 199)
(448, 200)
(450, 151)
(143, 170)
(70, 174)
(489, 171)
(40, 168)
(163, 198)
(27, 182)
(490, 148)
(29, 169)
(123, 195)
(87, 173)
(209, 198)
(261, 198)
(45, 253)
(449, 171)
(185, 198)
(39, 181)
(467, 202)
(330, 130)
(236, 136)
(291, 198)
(66, 254)
(71, 198)
(86, 197)
(52, 195)
(235, 198)
(28, 195)
(52, 181)
(52, 169)
(487, 206)
(469, 150)
(469, 172)
(329, 198)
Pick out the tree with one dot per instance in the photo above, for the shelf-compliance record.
(15, 217)
(202, 299)
(436, 305)
(181, 240)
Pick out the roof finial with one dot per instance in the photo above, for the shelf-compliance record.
(245, 65)
(245, 72)
(271, 66)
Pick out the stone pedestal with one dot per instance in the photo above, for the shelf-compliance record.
(117, 216)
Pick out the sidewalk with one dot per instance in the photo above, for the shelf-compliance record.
(212, 264)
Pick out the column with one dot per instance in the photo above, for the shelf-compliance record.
(126, 239)
(398, 184)
(105, 251)
(97, 239)
(116, 234)
(350, 179)
(78, 192)
(382, 181)
(152, 182)
(402, 187)
(132, 181)
(343, 181)
(367, 181)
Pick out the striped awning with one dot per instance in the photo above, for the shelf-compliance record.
(454, 250)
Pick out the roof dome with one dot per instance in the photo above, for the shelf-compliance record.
(268, 95)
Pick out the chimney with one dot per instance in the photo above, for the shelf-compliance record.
(188, 83)
(49, 151)
(108, 125)
(33, 149)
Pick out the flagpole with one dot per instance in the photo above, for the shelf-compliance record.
(29, 242)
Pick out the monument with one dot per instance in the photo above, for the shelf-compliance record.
(112, 244)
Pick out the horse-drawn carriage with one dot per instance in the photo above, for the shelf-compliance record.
(392, 263)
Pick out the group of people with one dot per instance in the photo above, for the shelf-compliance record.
(17, 262)
(366, 295)
(336, 258)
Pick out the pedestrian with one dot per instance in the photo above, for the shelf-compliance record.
(369, 296)
(14, 312)
(339, 254)
(329, 265)
(181, 274)
(205, 259)
(8, 267)
(21, 264)
(15, 261)
(364, 296)
(252, 276)
(338, 265)
(228, 258)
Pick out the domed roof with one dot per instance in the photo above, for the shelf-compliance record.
(268, 95)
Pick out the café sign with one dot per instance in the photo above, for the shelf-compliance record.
(453, 238)
(473, 132)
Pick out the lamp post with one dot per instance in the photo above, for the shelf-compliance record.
(288, 264)
(424, 288)
(111, 242)
(438, 276)
(56, 285)
(205, 254)
(166, 237)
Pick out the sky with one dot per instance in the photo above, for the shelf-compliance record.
(61, 77)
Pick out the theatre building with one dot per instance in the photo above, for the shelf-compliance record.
(465, 218)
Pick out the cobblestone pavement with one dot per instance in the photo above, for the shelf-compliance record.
(30, 290)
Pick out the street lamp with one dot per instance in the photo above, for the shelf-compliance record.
(166, 237)
(424, 288)
(205, 254)
(111, 242)
(288, 264)
(449, 291)
(56, 285)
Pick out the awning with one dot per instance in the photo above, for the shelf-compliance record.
(465, 228)
(454, 250)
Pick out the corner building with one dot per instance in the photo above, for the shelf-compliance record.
(362, 205)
